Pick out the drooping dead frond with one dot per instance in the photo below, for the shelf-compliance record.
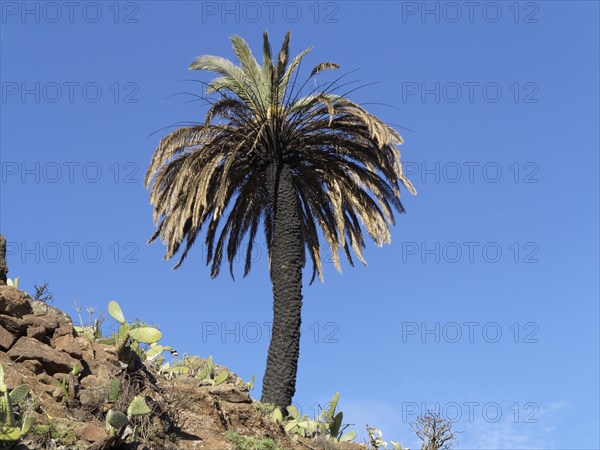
(324, 66)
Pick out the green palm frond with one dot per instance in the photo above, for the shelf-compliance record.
(251, 70)
(232, 79)
(285, 78)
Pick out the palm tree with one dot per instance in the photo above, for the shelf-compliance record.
(267, 156)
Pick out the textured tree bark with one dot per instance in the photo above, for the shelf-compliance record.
(287, 261)
(3, 266)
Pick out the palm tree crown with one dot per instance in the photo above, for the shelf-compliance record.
(344, 163)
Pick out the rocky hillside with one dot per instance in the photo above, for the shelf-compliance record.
(74, 382)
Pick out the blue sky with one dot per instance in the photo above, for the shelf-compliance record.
(485, 305)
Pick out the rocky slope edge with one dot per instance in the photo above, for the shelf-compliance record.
(75, 381)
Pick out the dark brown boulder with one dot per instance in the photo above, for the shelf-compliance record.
(53, 361)
(40, 327)
(13, 324)
(77, 347)
(14, 302)
(7, 339)
(90, 433)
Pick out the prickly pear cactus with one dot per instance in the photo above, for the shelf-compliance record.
(115, 389)
(8, 429)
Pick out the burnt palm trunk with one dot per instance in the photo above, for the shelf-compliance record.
(3, 266)
(287, 261)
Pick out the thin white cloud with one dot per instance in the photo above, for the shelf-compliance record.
(504, 435)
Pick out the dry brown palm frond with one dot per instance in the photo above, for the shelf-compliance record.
(324, 66)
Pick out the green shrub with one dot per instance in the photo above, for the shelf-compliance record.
(251, 443)
(53, 434)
